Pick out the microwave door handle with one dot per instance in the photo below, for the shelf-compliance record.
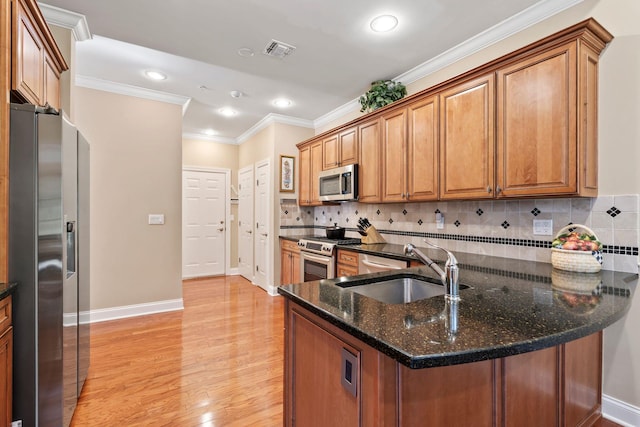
(343, 183)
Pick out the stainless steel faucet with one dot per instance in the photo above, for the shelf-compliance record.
(449, 276)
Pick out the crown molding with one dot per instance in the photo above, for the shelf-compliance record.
(76, 22)
(341, 111)
(510, 26)
(123, 89)
(274, 118)
(212, 138)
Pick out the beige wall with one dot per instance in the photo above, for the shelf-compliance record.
(209, 154)
(136, 167)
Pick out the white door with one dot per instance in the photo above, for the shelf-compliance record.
(245, 222)
(203, 223)
(262, 231)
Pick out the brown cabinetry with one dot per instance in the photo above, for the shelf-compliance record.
(289, 262)
(524, 125)
(559, 385)
(6, 361)
(340, 149)
(347, 263)
(310, 166)
(36, 59)
(467, 139)
(369, 153)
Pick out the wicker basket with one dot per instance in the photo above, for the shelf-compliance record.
(583, 283)
(577, 261)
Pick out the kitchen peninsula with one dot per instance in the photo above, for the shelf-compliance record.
(524, 350)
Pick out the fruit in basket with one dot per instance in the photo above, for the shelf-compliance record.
(575, 241)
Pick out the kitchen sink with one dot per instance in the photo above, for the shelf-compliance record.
(400, 290)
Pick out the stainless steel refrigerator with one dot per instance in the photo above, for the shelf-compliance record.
(45, 255)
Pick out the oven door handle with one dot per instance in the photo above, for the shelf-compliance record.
(320, 258)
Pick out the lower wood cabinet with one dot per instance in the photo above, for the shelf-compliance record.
(6, 361)
(347, 263)
(289, 262)
(556, 386)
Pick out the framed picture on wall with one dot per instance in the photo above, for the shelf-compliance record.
(287, 174)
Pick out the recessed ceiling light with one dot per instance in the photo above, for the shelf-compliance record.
(384, 23)
(155, 75)
(227, 112)
(246, 52)
(282, 102)
(236, 94)
(209, 132)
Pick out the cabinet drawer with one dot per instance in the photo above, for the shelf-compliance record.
(344, 270)
(5, 314)
(348, 258)
(288, 245)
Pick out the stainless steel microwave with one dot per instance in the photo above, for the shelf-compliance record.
(339, 184)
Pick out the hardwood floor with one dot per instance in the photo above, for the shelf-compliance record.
(218, 362)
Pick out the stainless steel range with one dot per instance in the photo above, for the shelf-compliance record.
(318, 258)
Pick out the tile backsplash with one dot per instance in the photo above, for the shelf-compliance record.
(501, 228)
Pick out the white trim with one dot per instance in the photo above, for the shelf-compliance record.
(76, 22)
(233, 272)
(528, 17)
(124, 89)
(134, 310)
(227, 210)
(273, 118)
(620, 412)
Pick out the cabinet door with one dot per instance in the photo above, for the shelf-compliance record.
(28, 58)
(285, 267)
(537, 125)
(6, 376)
(467, 140)
(316, 168)
(51, 83)
(369, 167)
(349, 147)
(318, 397)
(422, 150)
(295, 267)
(330, 152)
(394, 182)
(304, 176)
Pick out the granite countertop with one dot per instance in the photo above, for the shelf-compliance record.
(7, 289)
(511, 307)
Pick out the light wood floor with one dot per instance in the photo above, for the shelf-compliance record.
(217, 363)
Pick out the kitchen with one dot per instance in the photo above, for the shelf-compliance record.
(150, 261)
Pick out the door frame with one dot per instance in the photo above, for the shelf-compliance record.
(241, 171)
(227, 211)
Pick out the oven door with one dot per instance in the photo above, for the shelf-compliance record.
(316, 267)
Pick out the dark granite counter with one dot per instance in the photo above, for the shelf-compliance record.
(511, 307)
(7, 289)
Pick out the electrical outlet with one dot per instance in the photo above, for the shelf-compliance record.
(156, 219)
(439, 221)
(543, 227)
(16, 423)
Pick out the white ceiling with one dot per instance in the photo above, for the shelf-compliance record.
(196, 42)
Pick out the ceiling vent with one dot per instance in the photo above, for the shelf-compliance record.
(278, 49)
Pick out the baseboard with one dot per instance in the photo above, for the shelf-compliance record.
(233, 272)
(104, 314)
(620, 412)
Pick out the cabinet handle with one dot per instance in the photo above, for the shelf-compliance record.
(407, 195)
(488, 189)
(498, 190)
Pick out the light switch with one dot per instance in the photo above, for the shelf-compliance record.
(156, 219)
(543, 227)
(439, 221)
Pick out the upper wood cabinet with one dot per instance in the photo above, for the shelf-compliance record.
(524, 125)
(340, 149)
(467, 139)
(310, 157)
(369, 177)
(36, 61)
(410, 152)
